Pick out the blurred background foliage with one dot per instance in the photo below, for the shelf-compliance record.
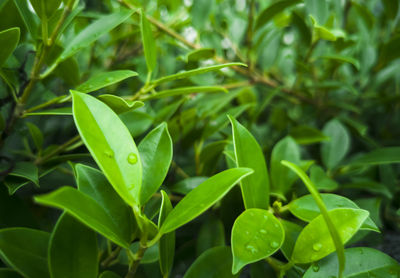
(321, 87)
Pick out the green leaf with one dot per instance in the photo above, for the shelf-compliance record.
(45, 8)
(305, 135)
(167, 242)
(36, 134)
(256, 235)
(109, 274)
(111, 145)
(361, 262)
(391, 8)
(379, 156)
(30, 19)
(149, 44)
(211, 234)
(25, 250)
(93, 183)
(334, 150)
(73, 250)
(186, 74)
(343, 59)
(187, 91)
(200, 54)
(150, 256)
(185, 186)
(94, 31)
(27, 171)
(156, 155)
(118, 104)
(315, 242)
(292, 231)
(248, 153)
(214, 263)
(87, 210)
(272, 10)
(281, 177)
(104, 79)
(321, 180)
(318, 9)
(9, 273)
(306, 209)
(8, 40)
(203, 197)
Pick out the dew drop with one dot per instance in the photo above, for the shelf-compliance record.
(317, 246)
(132, 158)
(262, 231)
(251, 248)
(315, 268)
(109, 153)
(274, 244)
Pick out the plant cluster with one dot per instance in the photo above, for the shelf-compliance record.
(267, 138)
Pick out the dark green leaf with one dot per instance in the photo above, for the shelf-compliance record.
(8, 40)
(272, 10)
(305, 135)
(149, 44)
(104, 79)
(211, 234)
(379, 156)
(321, 180)
(73, 250)
(200, 54)
(185, 186)
(25, 250)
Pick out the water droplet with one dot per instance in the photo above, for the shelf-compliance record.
(132, 158)
(276, 225)
(262, 231)
(109, 79)
(265, 217)
(274, 244)
(317, 246)
(251, 248)
(315, 268)
(314, 257)
(109, 153)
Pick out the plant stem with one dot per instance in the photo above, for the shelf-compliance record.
(41, 160)
(111, 257)
(136, 261)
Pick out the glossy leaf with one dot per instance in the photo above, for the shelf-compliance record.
(379, 156)
(186, 91)
(25, 250)
(156, 155)
(8, 40)
(93, 183)
(203, 197)
(110, 144)
(149, 44)
(186, 74)
(305, 135)
(214, 263)
(360, 262)
(87, 210)
(272, 10)
(166, 245)
(281, 177)
(27, 171)
(73, 250)
(306, 209)
(94, 31)
(185, 186)
(315, 242)
(248, 153)
(45, 8)
(118, 104)
(334, 150)
(104, 79)
(256, 235)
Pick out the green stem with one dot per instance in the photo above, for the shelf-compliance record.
(324, 211)
(41, 160)
(136, 261)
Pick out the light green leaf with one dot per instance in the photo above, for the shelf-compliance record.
(111, 145)
(118, 104)
(104, 79)
(73, 250)
(93, 183)
(200, 54)
(256, 235)
(379, 156)
(315, 241)
(94, 31)
(185, 186)
(305, 135)
(334, 150)
(8, 40)
(156, 155)
(248, 153)
(214, 263)
(321, 180)
(203, 197)
(281, 177)
(149, 44)
(166, 245)
(186, 91)
(360, 262)
(272, 10)
(87, 210)
(306, 209)
(186, 74)
(25, 250)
